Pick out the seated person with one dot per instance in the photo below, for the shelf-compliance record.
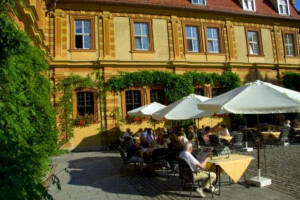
(206, 134)
(145, 132)
(191, 135)
(161, 140)
(133, 153)
(174, 148)
(287, 124)
(143, 142)
(181, 138)
(186, 154)
(296, 123)
(128, 133)
(149, 137)
(139, 133)
(223, 130)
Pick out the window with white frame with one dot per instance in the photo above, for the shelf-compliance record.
(141, 36)
(192, 38)
(249, 5)
(289, 44)
(198, 2)
(253, 42)
(283, 7)
(213, 40)
(82, 34)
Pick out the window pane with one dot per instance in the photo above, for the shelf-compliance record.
(78, 26)
(145, 43)
(157, 96)
(210, 46)
(190, 45)
(87, 42)
(188, 31)
(87, 27)
(194, 32)
(138, 43)
(145, 29)
(195, 45)
(137, 29)
(78, 41)
(216, 47)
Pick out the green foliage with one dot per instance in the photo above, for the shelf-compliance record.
(65, 104)
(175, 86)
(28, 134)
(291, 80)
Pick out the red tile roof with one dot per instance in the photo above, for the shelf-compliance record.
(264, 8)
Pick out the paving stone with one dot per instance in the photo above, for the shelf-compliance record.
(95, 175)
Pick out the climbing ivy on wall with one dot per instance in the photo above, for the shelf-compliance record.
(175, 86)
(65, 104)
(291, 80)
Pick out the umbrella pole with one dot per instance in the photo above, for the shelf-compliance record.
(197, 141)
(258, 146)
(246, 142)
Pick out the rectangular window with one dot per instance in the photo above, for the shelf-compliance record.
(198, 2)
(199, 91)
(253, 42)
(82, 34)
(213, 40)
(217, 91)
(82, 30)
(157, 96)
(85, 103)
(141, 36)
(289, 44)
(283, 7)
(249, 5)
(192, 38)
(132, 99)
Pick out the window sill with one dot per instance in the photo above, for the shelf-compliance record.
(83, 50)
(141, 51)
(296, 56)
(215, 54)
(194, 53)
(251, 55)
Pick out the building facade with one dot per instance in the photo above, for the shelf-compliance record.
(256, 39)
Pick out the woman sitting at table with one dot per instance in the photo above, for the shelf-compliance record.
(206, 134)
(287, 124)
(223, 130)
(143, 142)
(161, 140)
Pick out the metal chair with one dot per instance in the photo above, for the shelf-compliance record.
(201, 141)
(284, 137)
(237, 142)
(186, 175)
(125, 160)
(159, 159)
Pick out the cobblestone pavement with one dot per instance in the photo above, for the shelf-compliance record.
(95, 175)
(282, 165)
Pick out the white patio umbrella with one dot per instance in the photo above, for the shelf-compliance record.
(255, 98)
(146, 110)
(183, 109)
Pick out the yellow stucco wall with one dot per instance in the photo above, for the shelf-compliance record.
(241, 45)
(267, 45)
(160, 39)
(87, 136)
(122, 38)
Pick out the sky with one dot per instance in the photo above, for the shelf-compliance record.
(297, 5)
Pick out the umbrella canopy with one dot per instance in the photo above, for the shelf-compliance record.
(183, 109)
(255, 98)
(146, 110)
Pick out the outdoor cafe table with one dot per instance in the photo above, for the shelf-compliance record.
(233, 164)
(271, 134)
(221, 137)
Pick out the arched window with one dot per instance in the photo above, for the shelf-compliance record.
(133, 99)
(85, 103)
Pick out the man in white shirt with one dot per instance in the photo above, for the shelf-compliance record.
(181, 138)
(186, 154)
